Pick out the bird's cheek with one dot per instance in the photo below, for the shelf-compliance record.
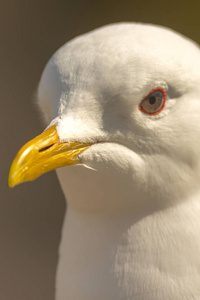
(111, 158)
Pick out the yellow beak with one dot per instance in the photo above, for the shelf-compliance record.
(43, 154)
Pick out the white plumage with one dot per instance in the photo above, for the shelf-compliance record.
(132, 228)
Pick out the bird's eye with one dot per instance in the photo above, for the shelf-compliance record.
(154, 102)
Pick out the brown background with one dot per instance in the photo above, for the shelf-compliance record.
(31, 215)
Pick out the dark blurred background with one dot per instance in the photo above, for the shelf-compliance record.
(31, 214)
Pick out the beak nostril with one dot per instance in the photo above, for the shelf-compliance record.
(45, 148)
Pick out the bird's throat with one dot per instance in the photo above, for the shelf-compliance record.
(100, 256)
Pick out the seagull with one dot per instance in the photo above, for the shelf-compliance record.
(122, 109)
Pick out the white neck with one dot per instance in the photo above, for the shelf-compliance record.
(123, 257)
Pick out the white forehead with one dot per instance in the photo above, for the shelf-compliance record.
(120, 56)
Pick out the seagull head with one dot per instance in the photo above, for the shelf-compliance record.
(122, 107)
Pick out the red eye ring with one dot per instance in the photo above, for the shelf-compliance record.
(146, 97)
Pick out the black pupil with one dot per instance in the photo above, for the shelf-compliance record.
(152, 100)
